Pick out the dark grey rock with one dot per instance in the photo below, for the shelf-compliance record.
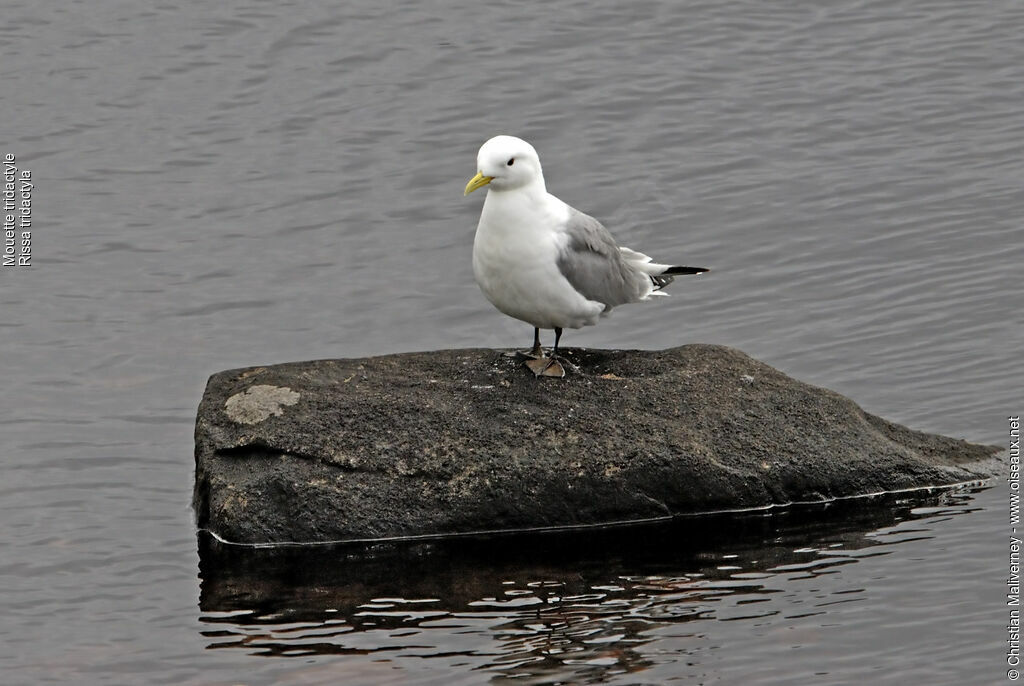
(460, 441)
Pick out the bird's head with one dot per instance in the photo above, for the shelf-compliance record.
(505, 163)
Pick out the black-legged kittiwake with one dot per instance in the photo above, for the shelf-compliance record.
(542, 261)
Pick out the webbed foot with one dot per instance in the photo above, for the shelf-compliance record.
(545, 366)
(536, 353)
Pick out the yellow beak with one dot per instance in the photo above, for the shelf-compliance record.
(477, 181)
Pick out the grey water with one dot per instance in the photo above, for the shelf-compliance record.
(227, 184)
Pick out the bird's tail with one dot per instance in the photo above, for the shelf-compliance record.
(661, 274)
(668, 276)
(678, 271)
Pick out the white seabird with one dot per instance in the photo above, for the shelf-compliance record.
(542, 261)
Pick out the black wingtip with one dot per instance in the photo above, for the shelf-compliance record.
(676, 271)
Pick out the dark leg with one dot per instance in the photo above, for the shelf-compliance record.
(547, 366)
(555, 368)
(537, 352)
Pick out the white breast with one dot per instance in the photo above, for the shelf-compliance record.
(515, 256)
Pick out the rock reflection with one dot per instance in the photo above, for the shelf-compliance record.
(571, 605)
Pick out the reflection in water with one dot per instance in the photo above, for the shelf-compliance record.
(568, 605)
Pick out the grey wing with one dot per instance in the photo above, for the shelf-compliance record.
(593, 265)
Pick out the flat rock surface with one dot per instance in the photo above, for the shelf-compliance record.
(459, 441)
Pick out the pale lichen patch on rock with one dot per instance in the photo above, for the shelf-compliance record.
(256, 403)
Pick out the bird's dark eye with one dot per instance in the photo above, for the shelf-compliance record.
(511, 161)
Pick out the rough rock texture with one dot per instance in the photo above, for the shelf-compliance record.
(459, 441)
